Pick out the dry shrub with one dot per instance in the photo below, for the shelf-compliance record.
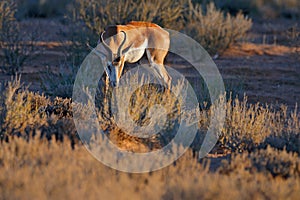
(20, 108)
(249, 125)
(149, 106)
(214, 30)
(23, 113)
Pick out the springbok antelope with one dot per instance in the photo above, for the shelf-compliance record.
(128, 43)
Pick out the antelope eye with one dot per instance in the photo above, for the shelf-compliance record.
(118, 59)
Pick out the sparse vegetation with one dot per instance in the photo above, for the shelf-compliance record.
(257, 155)
(15, 46)
(247, 126)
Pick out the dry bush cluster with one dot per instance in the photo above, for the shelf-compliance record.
(214, 30)
(248, 126)
(20, 108)
(23, 113)
(274, 162)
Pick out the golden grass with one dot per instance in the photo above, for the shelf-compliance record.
(38, 169)
(56, 166)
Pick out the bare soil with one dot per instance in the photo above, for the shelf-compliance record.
(268, 73)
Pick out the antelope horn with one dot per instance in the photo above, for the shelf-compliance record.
(104, 44)
(122, 44)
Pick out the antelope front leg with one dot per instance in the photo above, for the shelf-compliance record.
(107, 98)
(106, 85)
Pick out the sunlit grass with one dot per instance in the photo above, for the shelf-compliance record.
(59, 166)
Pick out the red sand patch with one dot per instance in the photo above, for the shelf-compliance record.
(250, 49)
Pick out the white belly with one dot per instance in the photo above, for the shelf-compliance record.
(135, 54)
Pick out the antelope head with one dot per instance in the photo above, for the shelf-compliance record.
(114, 46)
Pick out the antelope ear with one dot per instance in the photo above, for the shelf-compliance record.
(99, 38)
